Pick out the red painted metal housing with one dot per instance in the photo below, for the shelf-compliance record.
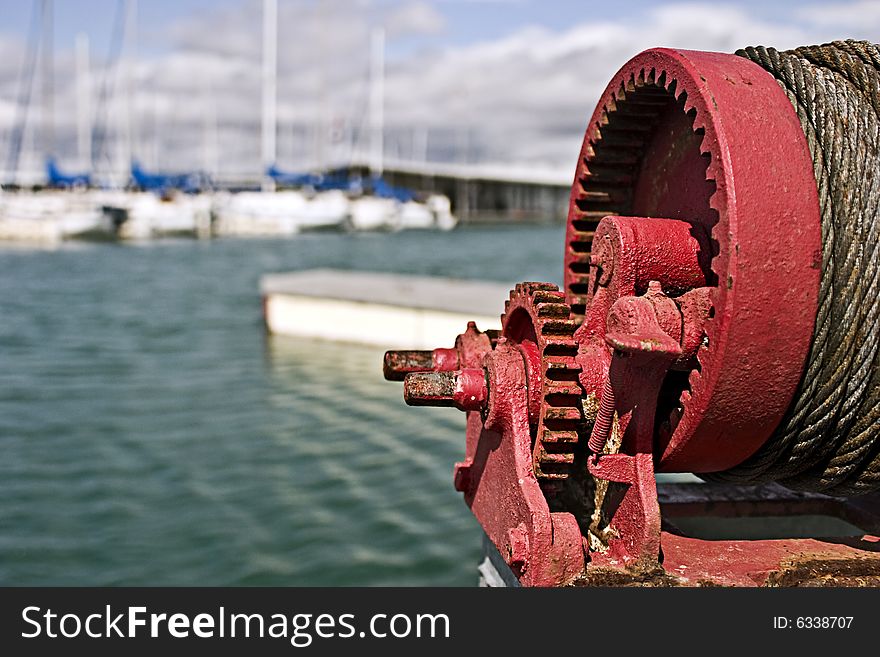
(725, 150)
(691, 279)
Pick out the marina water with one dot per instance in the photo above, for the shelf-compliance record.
(153, 434)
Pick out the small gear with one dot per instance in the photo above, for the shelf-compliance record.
(538, 320)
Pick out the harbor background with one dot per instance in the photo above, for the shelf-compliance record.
(152, 433)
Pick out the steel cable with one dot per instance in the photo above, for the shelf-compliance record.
(829, 440)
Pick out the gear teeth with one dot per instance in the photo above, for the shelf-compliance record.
(552, 467)
(547, 296)
(556, 310)
(560, 362)
(588, 235)
(559, 439)
(556, 436)
(561, 388)
(551, 458)
(612, 154)
(560, 345)
(606, 177)
(593, 197)
(559, 374)
(591, 216)
(578, 257)
(563, 414)
(559, 327)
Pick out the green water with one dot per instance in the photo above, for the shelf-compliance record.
(152, 434)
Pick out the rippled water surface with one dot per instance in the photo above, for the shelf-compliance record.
(152, 434)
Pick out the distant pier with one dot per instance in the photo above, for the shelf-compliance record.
(391, 310)
(487, 193)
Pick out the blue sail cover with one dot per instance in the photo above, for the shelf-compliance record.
(341, 180)
(55, 177)
(163, 182)
(289, 179)
(382, 189)
(318, 181)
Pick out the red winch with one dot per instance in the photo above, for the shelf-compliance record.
(700, 243)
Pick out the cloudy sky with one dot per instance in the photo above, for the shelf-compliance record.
(477, 81)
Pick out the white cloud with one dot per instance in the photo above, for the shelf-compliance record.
(862, 15)
(414, 18)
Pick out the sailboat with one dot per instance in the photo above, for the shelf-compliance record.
(270, 212)
(164, 206)
(281, 213)
(385, 207)
(151, 204)
(50, 218)
(65, 211)
(390, 208)
(434, 213)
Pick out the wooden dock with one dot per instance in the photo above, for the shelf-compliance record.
(395, 311)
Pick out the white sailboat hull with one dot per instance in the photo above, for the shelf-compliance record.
(264, 214)
(373, 213)
(50, 218)
(146, 216)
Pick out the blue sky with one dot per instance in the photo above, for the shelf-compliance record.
(96, 17)
(467, 21)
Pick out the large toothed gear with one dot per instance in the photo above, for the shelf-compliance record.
(537, 319)
(684, 135)
(620, 153)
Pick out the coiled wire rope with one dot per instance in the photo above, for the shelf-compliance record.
(829, 440)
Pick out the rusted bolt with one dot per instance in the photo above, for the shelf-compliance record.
(429, 388)
(465, 389)
(397, 364)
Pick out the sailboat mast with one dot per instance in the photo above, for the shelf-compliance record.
(270, 74)
(209, 137)
(128, 88)
(83, 102)
(48, 81)
(377, 101)
(320, 129)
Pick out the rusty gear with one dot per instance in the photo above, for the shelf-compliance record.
(537, 319)
(606, 185)
(606, 188)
